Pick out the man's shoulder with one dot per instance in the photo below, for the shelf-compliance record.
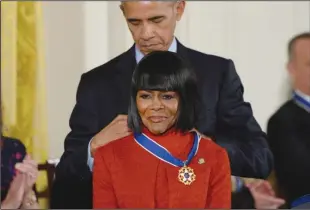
(203, 56)
(210, 59)
(282, 114)
(208, 65)
(107, 69)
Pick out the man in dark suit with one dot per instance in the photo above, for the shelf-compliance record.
(289, 127)
(103, 94)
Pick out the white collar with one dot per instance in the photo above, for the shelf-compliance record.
(303, 95)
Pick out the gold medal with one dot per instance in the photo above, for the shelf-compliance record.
(186, 175)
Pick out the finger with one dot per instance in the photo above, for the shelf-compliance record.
(26, 168)
(255, 184)
(272, 200)
(117, 119)
(31, 180)
(27, 157)
(269, 188)
(121, 123)
(265, 188)
(116, 123)
(120, 117)
(121, 127)
(31, 162)
(123, 134)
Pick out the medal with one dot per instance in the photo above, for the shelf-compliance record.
(186, 174)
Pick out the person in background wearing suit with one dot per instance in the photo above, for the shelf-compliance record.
(100, 113)
(289, 127)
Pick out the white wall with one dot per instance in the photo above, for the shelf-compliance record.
(65, 61)
(82, 35)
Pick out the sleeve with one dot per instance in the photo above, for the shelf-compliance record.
(238, 132)
(219, 193)
(90, 159)
(103, 192)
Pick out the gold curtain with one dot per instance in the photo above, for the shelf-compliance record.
(23, 78)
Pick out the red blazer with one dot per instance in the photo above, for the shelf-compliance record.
(127, 176)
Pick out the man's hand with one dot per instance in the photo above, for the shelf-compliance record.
(117, 129)
(264, 195)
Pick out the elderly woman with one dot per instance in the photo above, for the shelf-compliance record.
(18, 175)
(164, 163)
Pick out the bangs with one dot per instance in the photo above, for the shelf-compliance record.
(165, 71)
(157, 82)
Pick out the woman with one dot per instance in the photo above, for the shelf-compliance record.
(18, 175)
(164, 163)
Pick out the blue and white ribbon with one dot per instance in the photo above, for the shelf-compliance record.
(162, 153)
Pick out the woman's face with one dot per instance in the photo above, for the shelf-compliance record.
(157, 109)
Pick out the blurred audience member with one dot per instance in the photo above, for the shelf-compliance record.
(289, 128)
(18, 176)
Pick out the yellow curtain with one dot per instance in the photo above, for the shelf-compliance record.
(23, 78)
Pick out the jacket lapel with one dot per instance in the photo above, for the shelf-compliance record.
(123, 73)
(182, 51)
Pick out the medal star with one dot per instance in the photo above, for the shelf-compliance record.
(186, 175)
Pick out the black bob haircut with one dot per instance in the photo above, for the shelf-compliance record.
(165, 71)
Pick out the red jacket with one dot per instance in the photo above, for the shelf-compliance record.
(127, 176)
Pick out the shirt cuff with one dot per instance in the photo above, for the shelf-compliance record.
(90, 159)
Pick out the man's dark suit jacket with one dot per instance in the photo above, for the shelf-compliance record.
(104, 92)
(289, 139)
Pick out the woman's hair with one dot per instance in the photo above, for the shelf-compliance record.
(165, 71)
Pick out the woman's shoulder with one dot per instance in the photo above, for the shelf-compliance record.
(120, 144)
(210, 147)
(212, 152)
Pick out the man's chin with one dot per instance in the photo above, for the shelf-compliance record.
(146, 51)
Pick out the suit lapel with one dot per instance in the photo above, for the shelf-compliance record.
(124, 69)
(182, 51)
